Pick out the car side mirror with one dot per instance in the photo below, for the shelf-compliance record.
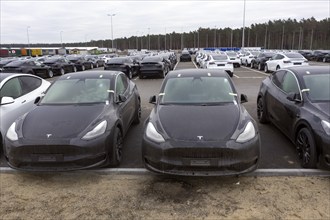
(121, 98)
(7, 100)
(152, 99)
(244, 98)
(37, 100)
(293, 97)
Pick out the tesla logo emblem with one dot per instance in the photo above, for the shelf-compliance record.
(48, 135)
(200, 137)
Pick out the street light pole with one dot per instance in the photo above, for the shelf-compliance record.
(28, 38)
(111, 15)
(148, 38)
(243, 25)
(215, 36)
(61, 39)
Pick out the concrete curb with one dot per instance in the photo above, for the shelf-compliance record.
(142, 171)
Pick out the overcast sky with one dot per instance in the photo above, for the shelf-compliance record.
(80, 21)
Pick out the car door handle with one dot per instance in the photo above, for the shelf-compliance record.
(23, 101)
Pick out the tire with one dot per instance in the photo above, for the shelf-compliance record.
(260, 67)
(140, 76)
(117, 146)
(324, 60)
(137, 118)
(97, 65)
(50, 74)
(163, 74)
(92, 66)
(278, 67)
(62, 71)
(83, 68)
(266, 68)
(262, 111)
(74, 69)
(306, 148)
(129, 73)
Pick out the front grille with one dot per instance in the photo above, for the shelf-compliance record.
(200, 153)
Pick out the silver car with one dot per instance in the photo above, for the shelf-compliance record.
(17, 95)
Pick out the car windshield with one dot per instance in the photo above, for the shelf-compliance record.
(318, 87)
(197, 90)
(77, 91)
(117, 60)
(16, 63)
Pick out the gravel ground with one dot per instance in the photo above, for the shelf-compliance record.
(81, 195)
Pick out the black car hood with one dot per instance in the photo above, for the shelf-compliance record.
(66, 121)
(324, 107)
(188, 123)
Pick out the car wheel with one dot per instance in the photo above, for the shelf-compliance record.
(82, 68)
(62, 71)
(97, 65)
(252, 65)
(129, 74)
(278, 67)
(306, 148)
(74, 69)
(50, 74)
(259, 67)
(117, 148)
(324, 60)
(266, 68)
(163, 74)
(261, 111)
(92, 66)
(140, 76)
(137, 118)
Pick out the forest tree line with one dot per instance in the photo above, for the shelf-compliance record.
(277, 34)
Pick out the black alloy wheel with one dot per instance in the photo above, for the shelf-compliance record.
(266, 68)
(261, 111)
(306, 148)
(62, 71)
(137, 118)
(117, 148)
(50, 74)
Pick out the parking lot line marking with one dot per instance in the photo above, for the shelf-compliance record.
(195, 64)
(252, 77)
(236, 76)
(134, 171)
(176, 65)
(257, 71)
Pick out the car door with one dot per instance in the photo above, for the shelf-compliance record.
(288, 111)
(272, 94)
(125, 108)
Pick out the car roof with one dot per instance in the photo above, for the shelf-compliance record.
(107, 74)
(309, 70)
(196, 72)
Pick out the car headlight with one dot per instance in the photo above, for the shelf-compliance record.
(248, 133)
(97, 131)
(326, 126)
(11, 133)
(152, 133)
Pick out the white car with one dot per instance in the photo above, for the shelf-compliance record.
(17, 95)
(284, 60)
(234, 58)
(248, 57)
(221, 62)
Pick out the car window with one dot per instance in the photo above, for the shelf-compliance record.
(277, 78)
(290, 83)
(318, 86)
(121, 84)
(197, 90)
(12, 88)
(29, 84)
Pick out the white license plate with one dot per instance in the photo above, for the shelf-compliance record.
(200, 162)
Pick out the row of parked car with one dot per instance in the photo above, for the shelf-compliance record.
(139, 64)
(42, 126)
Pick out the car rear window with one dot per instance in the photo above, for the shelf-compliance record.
(294, 55)
(197, 90)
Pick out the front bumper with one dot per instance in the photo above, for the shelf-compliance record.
(201, 158)
(57, 155)
(323, 142)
